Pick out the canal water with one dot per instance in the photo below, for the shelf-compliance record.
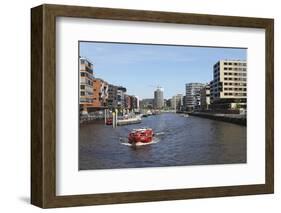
(179, 141)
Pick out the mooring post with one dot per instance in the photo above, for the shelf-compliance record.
(113, 119)
(116, 112)
(105, 116)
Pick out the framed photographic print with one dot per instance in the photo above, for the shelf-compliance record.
(137, 106)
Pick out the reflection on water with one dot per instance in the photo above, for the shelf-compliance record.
(179, 141)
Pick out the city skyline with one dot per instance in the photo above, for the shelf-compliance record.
(141, 67)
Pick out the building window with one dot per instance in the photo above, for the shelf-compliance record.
(82, 93)
(82, 86)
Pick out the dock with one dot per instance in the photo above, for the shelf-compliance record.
(231, 118)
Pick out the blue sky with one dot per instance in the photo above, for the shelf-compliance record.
(141, 68)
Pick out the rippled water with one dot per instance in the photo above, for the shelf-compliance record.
(179, 141)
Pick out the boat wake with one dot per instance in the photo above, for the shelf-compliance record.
(124, 141)
(159, 133)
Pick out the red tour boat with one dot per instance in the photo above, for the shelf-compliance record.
(109, 121)
(143, 135)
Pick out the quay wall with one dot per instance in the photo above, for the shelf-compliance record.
(240, 120)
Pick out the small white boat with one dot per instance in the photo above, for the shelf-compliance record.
(128, 121)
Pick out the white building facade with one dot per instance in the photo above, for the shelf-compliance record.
(192, 93)
(229, 85)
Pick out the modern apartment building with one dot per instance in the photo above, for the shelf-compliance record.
(229, 85)
(131, 102)
(100, 93)
(147, 103)
(184, 103)
(174, 102)
(128, 102)
(168, 103)
(192, 93)
(134, 103)
(121, 91)
(177, 102)
(86, 84)
(205, 97)
(112, 97)
(159, 98)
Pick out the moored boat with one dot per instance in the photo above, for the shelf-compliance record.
(127, 121)
(109, 121)
(143, 135)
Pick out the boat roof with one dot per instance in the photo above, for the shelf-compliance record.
(142, 129)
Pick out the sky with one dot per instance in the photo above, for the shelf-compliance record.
(142, 67)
